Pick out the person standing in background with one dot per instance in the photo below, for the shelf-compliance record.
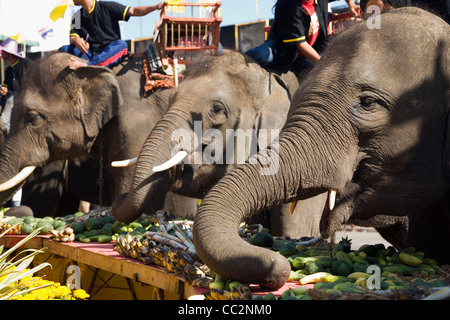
(13, 77)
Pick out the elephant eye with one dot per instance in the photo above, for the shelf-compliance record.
(370, 113)
(35, 119)
(367, 101)
(218, 108)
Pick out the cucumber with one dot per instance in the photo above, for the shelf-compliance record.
(399, 269)
(300, 262)
(104, 239)
(410, 259)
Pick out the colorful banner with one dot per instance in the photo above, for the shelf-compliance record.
(60, 9)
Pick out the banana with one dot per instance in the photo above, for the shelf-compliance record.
(66, 235)
(201, 282)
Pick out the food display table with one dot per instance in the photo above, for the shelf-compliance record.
(103, 256)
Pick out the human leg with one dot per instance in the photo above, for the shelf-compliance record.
(6, 113)
(73, 50)
(111, 55)
(263, 53)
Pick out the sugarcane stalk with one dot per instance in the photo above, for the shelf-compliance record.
(168, 242)
(185, 241)
(151, 234)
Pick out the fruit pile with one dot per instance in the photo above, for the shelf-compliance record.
(26, 225)
(96, 226)
(373, 271)
(168, 244)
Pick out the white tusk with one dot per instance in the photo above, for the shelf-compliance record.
(22, 175)
(331, 199)
(176, 159)
(124, 163)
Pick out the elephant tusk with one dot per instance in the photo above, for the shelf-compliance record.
(171, 162)
(331, 199)
(292, 206)
(22, 175)
(124, 163)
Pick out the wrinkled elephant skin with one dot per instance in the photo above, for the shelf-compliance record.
(93, 111)
(370, 123)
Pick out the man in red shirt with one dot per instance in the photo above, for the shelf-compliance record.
(296, 35)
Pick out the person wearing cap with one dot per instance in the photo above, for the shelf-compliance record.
(296, 34)
(13, 77)
(95, 32)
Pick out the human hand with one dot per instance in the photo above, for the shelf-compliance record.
(3, 91)
(82, 45)
(160, 5)
(355, 10)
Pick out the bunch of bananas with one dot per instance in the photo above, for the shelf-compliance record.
(13, 229)
(128, 246)
(174, 260)
(241, 292)
(66, 235)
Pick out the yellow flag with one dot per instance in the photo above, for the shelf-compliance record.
(60, 9)
(20, 37)
(173, 5)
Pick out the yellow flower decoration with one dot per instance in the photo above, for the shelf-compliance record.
(80, 294)
(61, 291)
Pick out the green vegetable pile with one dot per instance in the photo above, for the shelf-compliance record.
(332, 270)
(98, 226)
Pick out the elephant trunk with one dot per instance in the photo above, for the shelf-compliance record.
(216, 223)
(302, 173)
(13, 172)
(151, 180)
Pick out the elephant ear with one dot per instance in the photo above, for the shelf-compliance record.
(274, 108)
(99, 98)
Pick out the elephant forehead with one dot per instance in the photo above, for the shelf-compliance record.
(210, 86)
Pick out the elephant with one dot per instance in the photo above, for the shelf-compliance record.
(370, 126)
(249, 98)
(92, 112)
(57, 188)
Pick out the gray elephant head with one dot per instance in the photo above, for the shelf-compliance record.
(369, 125)
(222, 99)
(64, 114)
(58, 115)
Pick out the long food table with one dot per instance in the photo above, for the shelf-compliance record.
(103, 256)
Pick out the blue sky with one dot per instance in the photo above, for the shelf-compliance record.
(232, 12)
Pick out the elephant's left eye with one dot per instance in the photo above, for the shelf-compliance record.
(218, 107)
(367, 101)
(218, 113)
(369, 113)
(35, 119)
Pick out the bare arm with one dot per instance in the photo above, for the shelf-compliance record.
(308, 51)
(354, 9)
(144, 10)
(81, 44)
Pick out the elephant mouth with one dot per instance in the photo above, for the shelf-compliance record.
(334, 216)
(195, 180)
(340, 207)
